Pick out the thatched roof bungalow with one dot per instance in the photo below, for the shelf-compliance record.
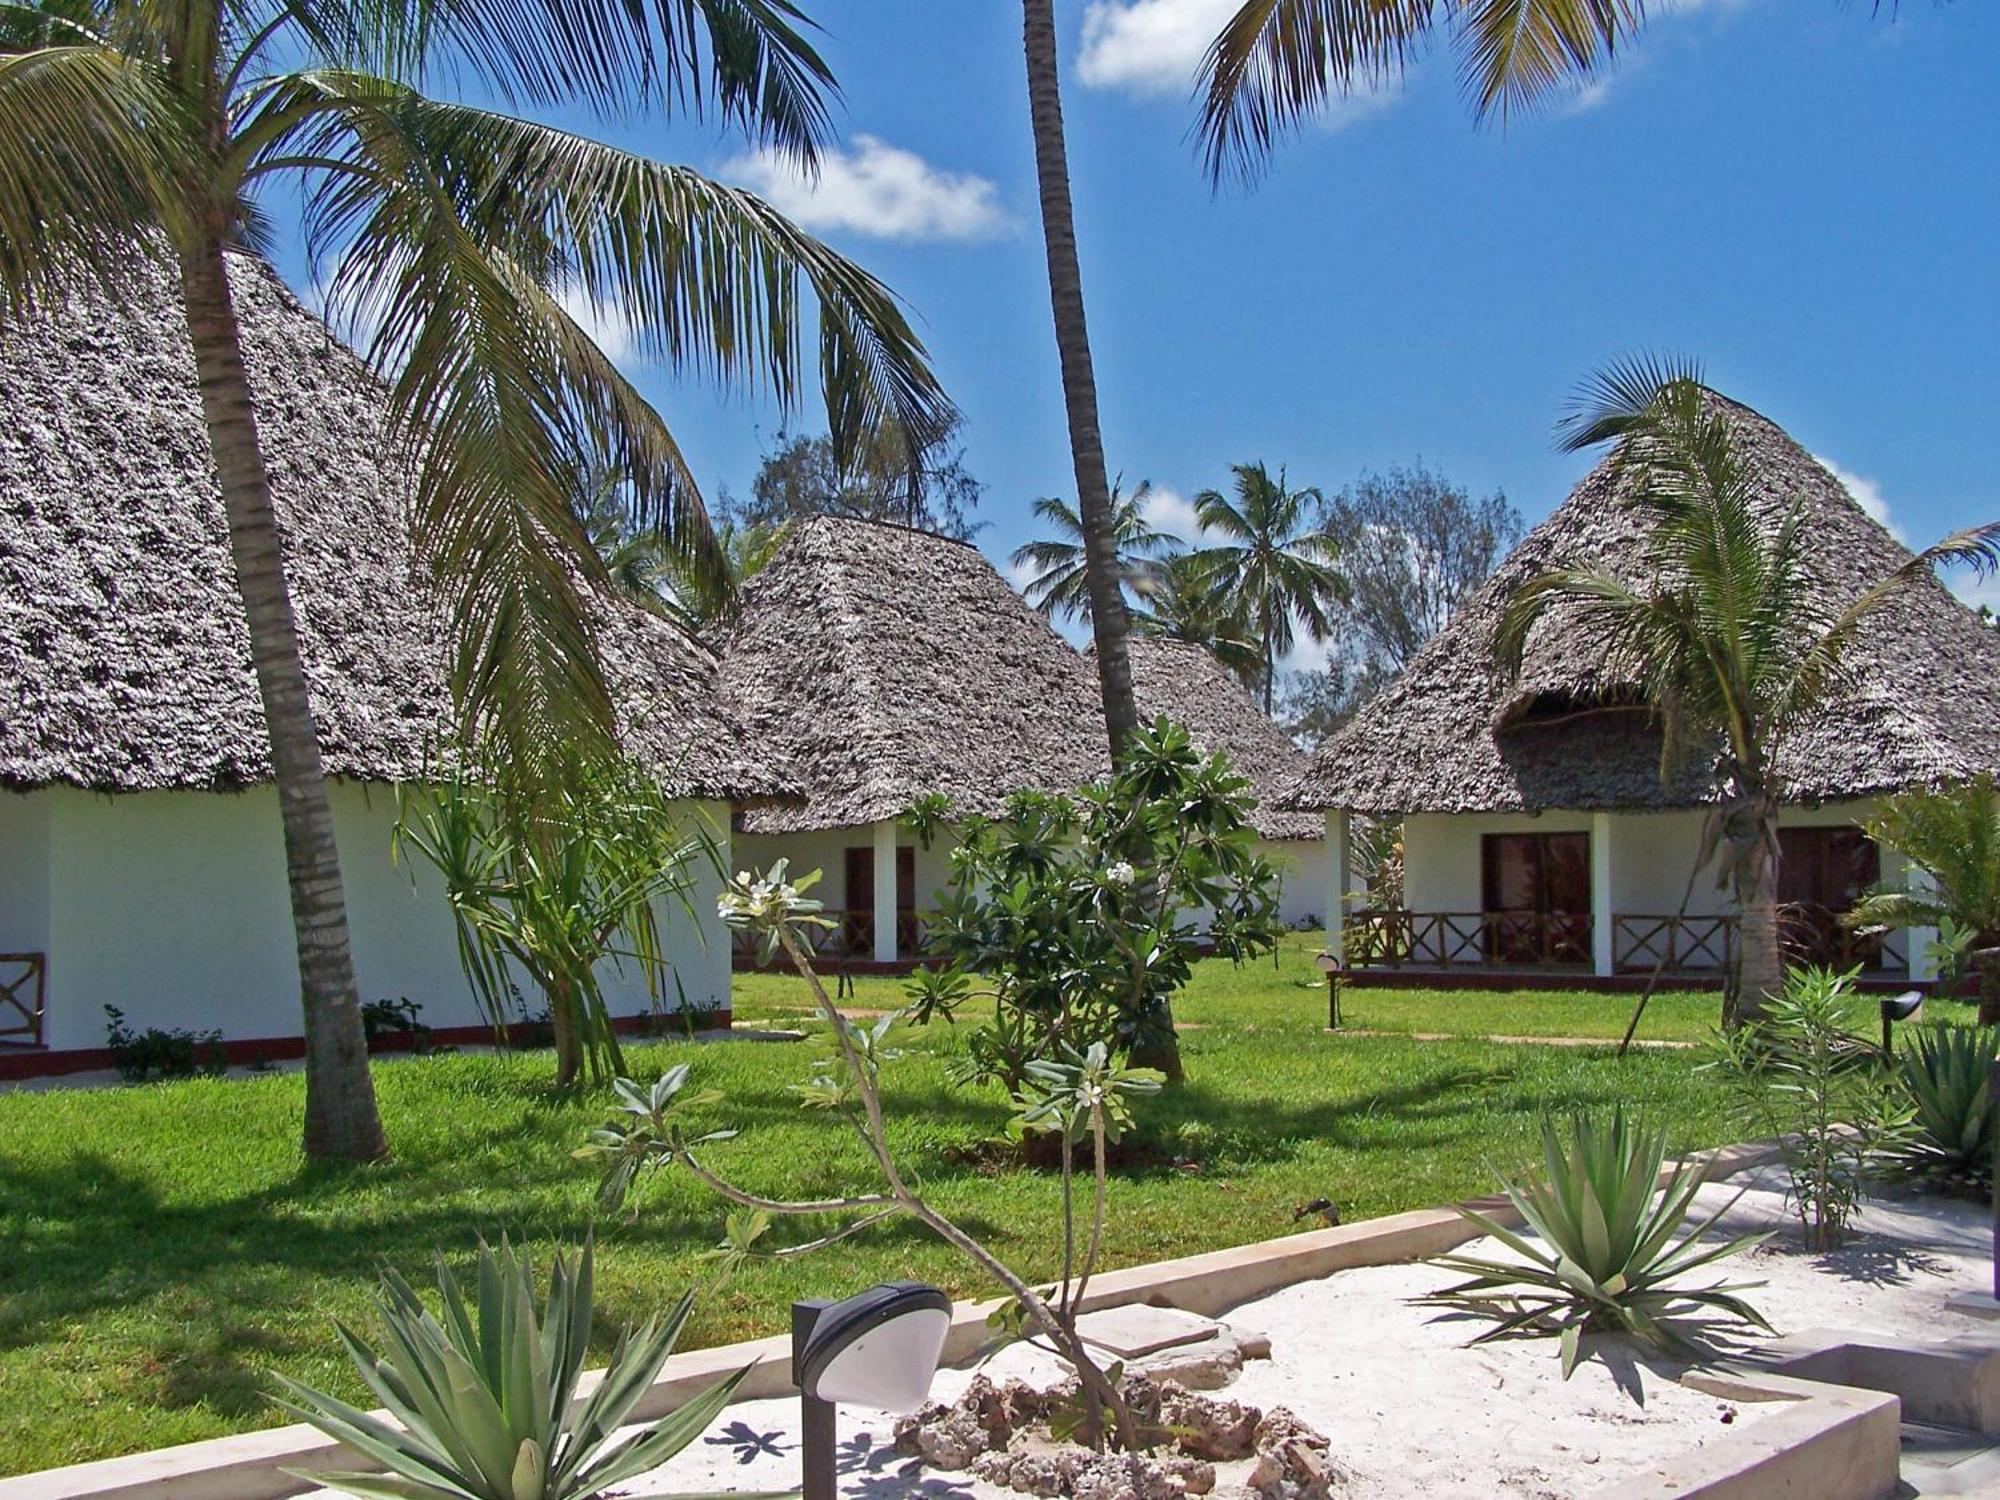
(128, 705)
(1538, 832)
(875, 664)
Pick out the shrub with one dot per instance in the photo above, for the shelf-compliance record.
(382, 1019)
(1607, 1259)
(1947, 1071)
(1799, 1075)
(486, 1397)
(162, 1053)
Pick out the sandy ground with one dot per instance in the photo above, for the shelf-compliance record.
(1412, 1410)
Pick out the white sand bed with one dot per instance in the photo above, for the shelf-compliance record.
(1412, 1410)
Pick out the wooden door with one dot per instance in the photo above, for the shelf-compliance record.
(857, 923)
(1536, 896)
(1822, 873)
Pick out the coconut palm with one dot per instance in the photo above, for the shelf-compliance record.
(1279, 62)
(1061, 585)
(1181, 602)
(1277, 561)
(1726, 638)
(1104, 582)
(156, 137)
(1952, 835)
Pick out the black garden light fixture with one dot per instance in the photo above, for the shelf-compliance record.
(1896, 1008)
(879, 1348)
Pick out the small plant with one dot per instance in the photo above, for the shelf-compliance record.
(1607, 1259)
(486, 1397)
(382, 1019)
(158, 1053)
(1799, 1075)
(1079, 1096)
(1948, 1072)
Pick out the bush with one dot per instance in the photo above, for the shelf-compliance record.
(159, 1053)
(382, 1019)
(1799, 1075)
(1607, 1259)
(487, 1397)
(1947, 1071)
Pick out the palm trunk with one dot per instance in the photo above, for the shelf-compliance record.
(1110, 623)
(566, 1025)
(341, 1118)
(1760, 954)
(1987, 962)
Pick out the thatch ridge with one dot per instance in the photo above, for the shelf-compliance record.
(124, 657)
(876, 664)
(1448, 735)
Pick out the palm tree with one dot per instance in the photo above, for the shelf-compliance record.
(155, 135)
(1110, 621)
(1279, 563)
(1183, 603)
(1951, 834)
(1061, 586)
(1279, 62)
(1725, 639)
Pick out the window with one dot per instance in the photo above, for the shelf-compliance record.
(857, 927)
(1536, 896)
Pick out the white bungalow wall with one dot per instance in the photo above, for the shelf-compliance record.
(1651, 855)
(172, 906)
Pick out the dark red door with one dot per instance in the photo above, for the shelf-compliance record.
(857, 928)
(1536, 889)
(1822, 872)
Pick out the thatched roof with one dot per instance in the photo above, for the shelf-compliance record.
(124, 658)
(877, 664)
(1187, 684)
(1453, 734)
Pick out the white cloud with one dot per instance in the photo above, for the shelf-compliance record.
(1973, 589)
(1148, 46)
(876, 189)
(1154, 47)
(605, 322)
(1588, 96)
(1867, 494)
(1169, 511)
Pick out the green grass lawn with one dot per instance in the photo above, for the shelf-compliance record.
(163, 1247)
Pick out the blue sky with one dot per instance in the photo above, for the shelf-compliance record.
(1804, 196)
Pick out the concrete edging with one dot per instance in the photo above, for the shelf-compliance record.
(250, 1466)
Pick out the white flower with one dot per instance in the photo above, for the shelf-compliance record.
(1121, 874)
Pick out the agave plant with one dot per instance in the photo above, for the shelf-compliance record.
(1948, 1071)
(486, 1398)
(1607, 1255)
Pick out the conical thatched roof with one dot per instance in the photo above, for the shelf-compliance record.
(877, 664)
(124, 658)
(1453, 734)
(1187, 684)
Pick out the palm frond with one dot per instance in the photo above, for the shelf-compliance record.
(1626, 394)
(1518, 53)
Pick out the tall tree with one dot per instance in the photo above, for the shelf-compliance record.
(1274, 558)
(1184, 602)
(805, 476)
(1061, 585)
(1726, 638)
(1110, 620)
(157, 133)
(1277, 63)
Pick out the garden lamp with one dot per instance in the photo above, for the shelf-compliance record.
(878, 1348)
(1898, 1008)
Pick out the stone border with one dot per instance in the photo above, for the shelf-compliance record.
(249, 1466)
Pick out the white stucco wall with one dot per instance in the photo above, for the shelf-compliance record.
(173, 907)
(24, 873)
(1301, 867)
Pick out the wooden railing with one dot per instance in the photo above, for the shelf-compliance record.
(1639, 943)
(1465, 939)
(23, 979)
(851, 936)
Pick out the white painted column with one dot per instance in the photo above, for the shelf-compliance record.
(1918, 941)
(1603, 946)
(885, 891)
(1339, 879)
